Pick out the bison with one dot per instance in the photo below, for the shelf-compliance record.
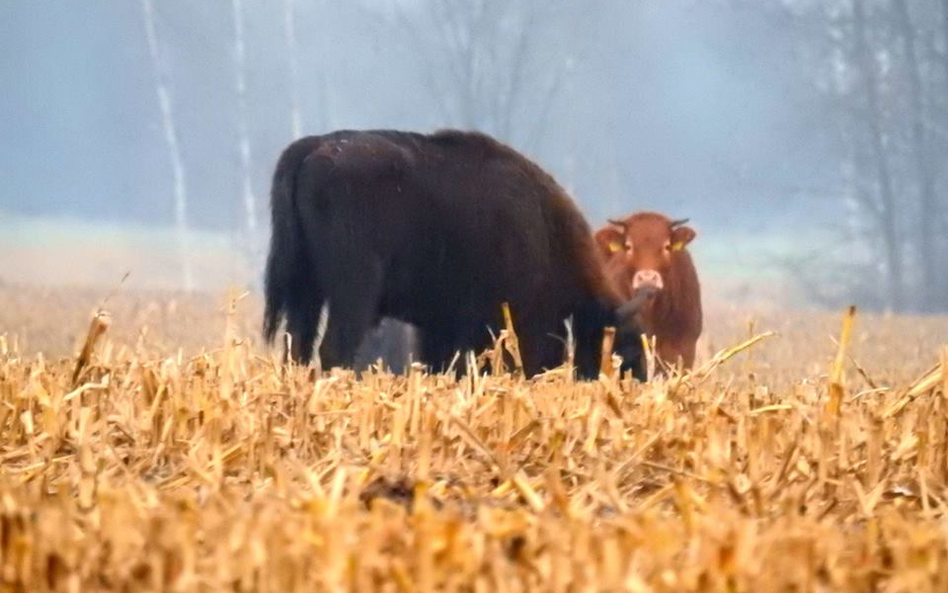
(437, 231)
(646, 254)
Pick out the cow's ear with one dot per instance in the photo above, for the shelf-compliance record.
(610, 240)
(681, 236)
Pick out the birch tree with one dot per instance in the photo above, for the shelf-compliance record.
(289, 31)
(171, 139)
(249, 200)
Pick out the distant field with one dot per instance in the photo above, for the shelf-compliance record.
(50, 252)
(738, 267)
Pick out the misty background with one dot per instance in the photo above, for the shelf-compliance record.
(805, 139)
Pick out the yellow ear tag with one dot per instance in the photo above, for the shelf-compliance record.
(614, 246)
(678, 246)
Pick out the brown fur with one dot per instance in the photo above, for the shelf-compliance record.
(674, 314)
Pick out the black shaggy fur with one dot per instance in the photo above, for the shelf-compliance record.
(435, 230)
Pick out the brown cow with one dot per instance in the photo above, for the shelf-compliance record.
(437, 231)
(647, 252)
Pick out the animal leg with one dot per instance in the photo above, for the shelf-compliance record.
(353, 310)
(302, 318)
(688, 352)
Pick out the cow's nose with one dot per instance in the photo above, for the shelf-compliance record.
(647, 278)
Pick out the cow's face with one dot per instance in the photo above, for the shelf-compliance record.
(639, 250)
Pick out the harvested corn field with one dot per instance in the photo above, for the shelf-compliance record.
(815, 459)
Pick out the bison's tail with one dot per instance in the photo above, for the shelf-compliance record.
(287, 262)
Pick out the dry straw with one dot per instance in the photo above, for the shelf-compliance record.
(226, 472)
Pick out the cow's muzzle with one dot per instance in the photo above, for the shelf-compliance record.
(647, 279)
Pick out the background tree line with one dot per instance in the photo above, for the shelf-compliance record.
(815, 129)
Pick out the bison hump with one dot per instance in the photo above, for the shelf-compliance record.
(363, 155)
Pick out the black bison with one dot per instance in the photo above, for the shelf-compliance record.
(437, 231)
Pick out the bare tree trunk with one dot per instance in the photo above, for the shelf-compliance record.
(250, 204)
(929, 212)
(944, 27)
(174, 151)
(944, 219)
(324, 121)
(324, 114)
(289, 29)
(886, 211)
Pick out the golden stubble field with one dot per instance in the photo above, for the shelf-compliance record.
(184, 458)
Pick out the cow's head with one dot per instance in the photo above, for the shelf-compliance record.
(639, 250)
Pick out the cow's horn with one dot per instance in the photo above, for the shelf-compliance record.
(679, 222)
(618, 223)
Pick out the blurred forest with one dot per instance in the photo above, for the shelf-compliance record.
(806, 139)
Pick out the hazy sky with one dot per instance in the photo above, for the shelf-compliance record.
(684, 106)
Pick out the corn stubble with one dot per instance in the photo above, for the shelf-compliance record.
(127, 470)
